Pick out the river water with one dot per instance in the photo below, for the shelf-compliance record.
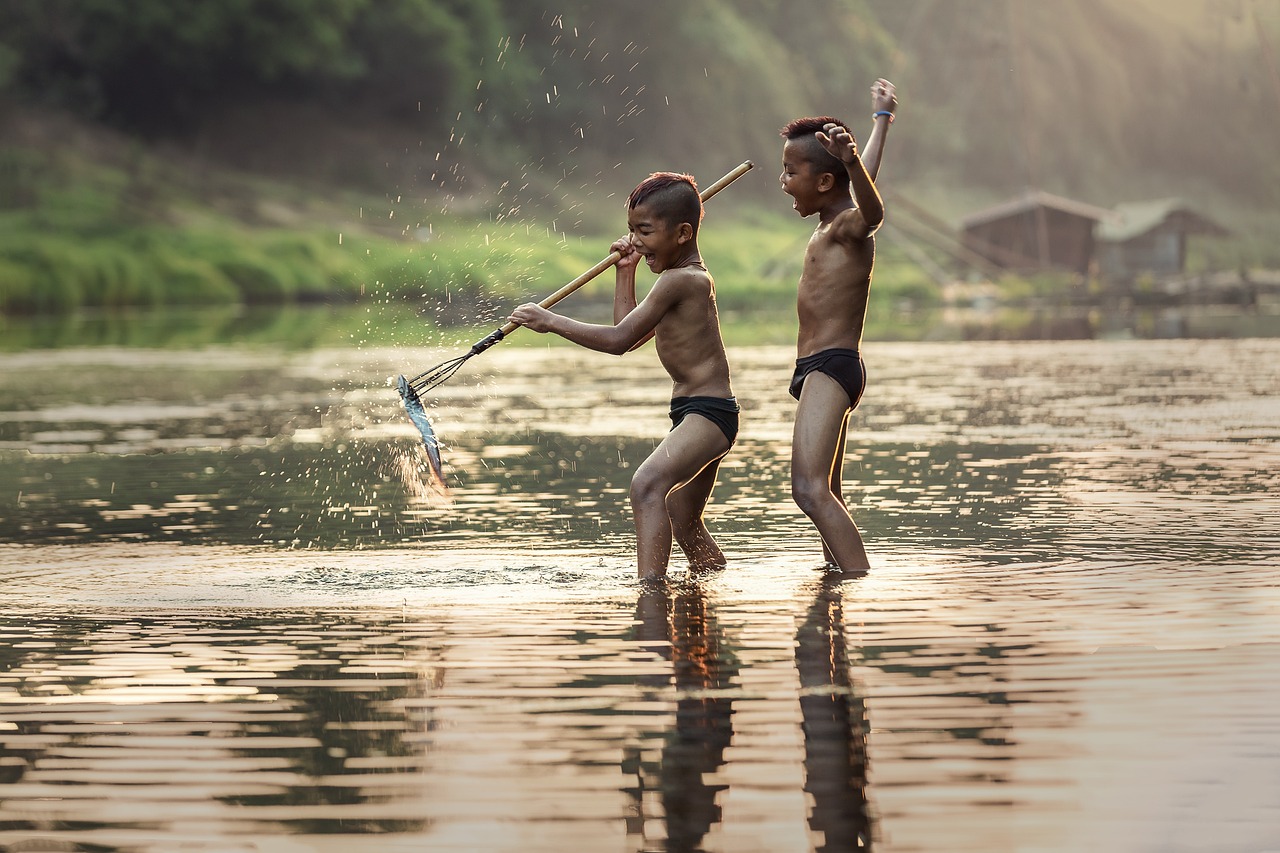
(236, 616)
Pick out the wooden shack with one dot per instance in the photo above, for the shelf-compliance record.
(1035, 231)
(1149, 237)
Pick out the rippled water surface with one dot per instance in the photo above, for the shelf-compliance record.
(236, 617)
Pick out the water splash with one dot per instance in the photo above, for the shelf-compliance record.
(411, 467)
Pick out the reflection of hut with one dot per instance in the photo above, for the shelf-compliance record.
(1035, 231)
(1149, 237)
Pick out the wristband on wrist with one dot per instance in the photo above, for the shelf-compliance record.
(879, 113)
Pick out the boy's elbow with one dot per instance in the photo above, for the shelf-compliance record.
(621, 344)
(874, 217)
(618, 346)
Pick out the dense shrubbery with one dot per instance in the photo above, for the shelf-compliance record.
(43, 272)
(1088, 99)
(158, 67)
(1001, 94)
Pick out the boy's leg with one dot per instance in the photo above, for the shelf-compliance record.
(816, 443)
(685, 507)
(681, 456)
(837, 475)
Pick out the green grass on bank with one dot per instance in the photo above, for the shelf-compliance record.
(83, 231)
(77, 234)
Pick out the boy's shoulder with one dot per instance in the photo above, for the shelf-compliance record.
(843, 229)
(685, 280)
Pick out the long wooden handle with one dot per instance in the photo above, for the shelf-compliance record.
(613, 258)
(742, 169)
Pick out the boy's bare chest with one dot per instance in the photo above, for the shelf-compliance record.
(831, 265)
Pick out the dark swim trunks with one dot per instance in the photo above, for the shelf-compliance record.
(721, 411)
(843, 365)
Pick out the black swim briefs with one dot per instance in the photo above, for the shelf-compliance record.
(721, 411)
(843, 365)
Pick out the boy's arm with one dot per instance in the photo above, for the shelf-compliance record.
(883, 100)
(624, 289)
(868, 212)
(638, 325)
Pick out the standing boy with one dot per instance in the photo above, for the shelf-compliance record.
(671, 488)
(822, 171)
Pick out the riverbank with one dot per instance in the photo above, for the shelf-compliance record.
(95, 220)
(356, 326)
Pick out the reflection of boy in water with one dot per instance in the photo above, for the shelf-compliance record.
(670, 490)
(834, 715)
(683, 628)
(820, 165)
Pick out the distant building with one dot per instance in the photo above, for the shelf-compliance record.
(1035, 231)
(1149, 237)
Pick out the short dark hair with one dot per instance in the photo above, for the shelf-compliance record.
(803, 130)
(674, 197)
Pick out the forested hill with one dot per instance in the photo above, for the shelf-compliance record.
(1104, 100)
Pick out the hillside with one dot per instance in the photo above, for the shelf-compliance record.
(372, 116)
(1098, 99)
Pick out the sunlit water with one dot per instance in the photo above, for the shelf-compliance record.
(235, 617)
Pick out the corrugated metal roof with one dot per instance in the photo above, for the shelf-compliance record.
(1133, 219)
(1031, 200)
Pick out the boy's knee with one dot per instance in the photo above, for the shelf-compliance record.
(647, 490)
(810, 493)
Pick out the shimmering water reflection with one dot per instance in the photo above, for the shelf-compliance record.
(231, 619)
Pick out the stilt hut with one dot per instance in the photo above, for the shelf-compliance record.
(1150, 237)
(1036, 231)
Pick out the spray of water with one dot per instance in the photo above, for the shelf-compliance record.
(434, 211)
(410, 466)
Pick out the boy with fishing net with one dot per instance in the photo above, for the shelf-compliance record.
(671, 488)
(823, 171)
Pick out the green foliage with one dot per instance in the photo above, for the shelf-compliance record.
(523, 115)
(18, 289)
(1088, 99)
(193, 281)
(9, 61)
(97, 55)
(21, 175)
(1009, 94)
(43, 271)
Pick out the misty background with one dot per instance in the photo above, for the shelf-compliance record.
(551, 112)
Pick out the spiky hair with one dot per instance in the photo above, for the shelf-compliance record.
(803, 131)
(674, 198)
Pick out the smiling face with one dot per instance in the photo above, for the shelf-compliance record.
(800, 178)
(661, 242)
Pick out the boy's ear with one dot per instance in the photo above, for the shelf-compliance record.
(826, 181)
(684, 232)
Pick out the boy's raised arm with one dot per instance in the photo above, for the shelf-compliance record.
(868, 205)
(884, 104)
